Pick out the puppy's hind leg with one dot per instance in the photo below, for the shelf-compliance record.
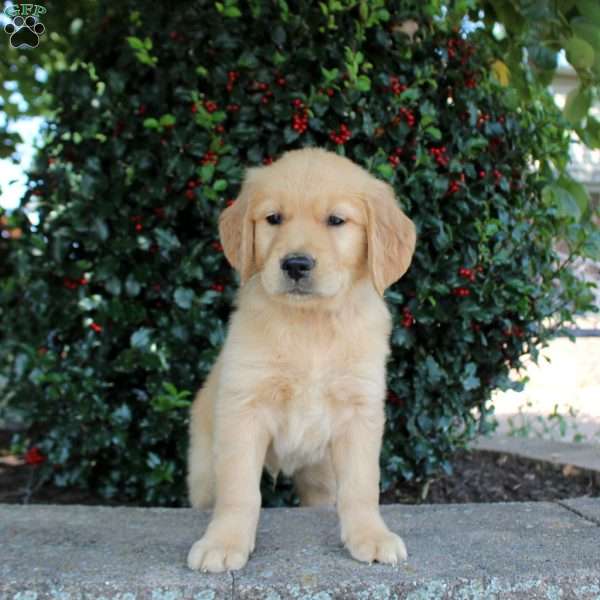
(201, 475)
(315, 484)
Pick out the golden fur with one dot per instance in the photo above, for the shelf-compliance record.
(299, 385)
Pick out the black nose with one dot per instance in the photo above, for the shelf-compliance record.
(297, 266)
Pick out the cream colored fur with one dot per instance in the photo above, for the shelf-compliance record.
(299, 385)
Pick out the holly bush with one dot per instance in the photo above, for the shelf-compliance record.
(119, 295)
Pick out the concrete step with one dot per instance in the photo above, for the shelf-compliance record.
(518, 550)
(580, 455)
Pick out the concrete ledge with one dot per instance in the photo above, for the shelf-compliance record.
(583, 456)
(520, 550)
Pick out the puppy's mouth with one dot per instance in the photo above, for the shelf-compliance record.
(299, 290)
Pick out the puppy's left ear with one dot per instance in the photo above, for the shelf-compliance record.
(391, 236)
(236, 230)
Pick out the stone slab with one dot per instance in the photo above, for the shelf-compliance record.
(520, 550)
(587, 507)
(584, 456)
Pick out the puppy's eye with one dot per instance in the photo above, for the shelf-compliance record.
(335, 221)
(274, 219)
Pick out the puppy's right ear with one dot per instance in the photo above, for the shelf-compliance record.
(236, 230)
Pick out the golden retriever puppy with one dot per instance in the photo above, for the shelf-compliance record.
(300, 383)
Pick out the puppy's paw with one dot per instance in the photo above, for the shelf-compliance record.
(382, 546)
(215, 556)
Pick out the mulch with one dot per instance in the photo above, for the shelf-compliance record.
(484, 476)
(478, 476)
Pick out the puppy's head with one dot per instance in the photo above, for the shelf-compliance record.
(312, 224)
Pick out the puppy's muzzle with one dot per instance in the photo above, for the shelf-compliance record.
(297, 266)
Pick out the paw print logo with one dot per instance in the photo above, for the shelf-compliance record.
(24, 33)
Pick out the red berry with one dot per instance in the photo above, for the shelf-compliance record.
(33, 456)
(217, 246)
(210, 106)
(218, 287)
(95, 327)
(230, 201)
(190, 194)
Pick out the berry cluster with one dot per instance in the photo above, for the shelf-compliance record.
(459, 48)
(395, 86)
(461, 292)
(408, 320)
(137, 221)
(515, 331)
(341, 136)
(210, 106)
(33, 456)
(406, 114)
(467, 273)
(394, 159)
(73, 284)
(192, 184)
(300, 117)
(232, 77)
(209, 158)
(440, 155)
(455, 184)
(470, 80)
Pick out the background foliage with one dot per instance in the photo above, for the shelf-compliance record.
(115, 303)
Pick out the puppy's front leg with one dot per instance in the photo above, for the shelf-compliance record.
(240, 447)
(355, 453)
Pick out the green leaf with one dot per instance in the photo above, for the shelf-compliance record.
(386, 170)
(579, 53)
(434, 372)
(470, 380)
(141, 338)
(135, 43)
(577, 191)
(151, 123)
(590, 9)
(167, 120)
(562, 200)
(132, 286)
(577, 104)
(434, 133)
(184, 297)
(363, 83)
(593, 132)
(587, 31)
(232, 12)
(206, 172)
(220, 185)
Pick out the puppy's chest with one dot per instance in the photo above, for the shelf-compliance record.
(303, 417)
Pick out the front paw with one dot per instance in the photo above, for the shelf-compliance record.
(217, 555)
(380, 545)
